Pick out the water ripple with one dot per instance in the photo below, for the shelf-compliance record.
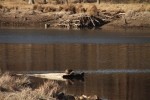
(104, 71)
(113, 71)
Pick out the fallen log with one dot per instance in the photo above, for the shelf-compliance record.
(51, 76)
(57, 76)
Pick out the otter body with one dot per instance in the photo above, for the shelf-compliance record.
(70, 74)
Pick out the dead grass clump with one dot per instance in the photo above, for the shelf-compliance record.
(1, 6)
(52, 9)
(12, 83)
(80, 9)
(60, 8)
(119, 11)
(17, 88)
(49, 9)
(70, 8)
(148, 9)
(46, 9)
(92, 10)
(50, 88)
(141, 9)
(35, 7)
(38, 7)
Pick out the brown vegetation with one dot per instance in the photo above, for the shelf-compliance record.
(14, 87)
(92, 10)
(80, 9)
(1, 6)
(26, 14)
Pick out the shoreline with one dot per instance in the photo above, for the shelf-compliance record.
(24, 87)
(136, 16)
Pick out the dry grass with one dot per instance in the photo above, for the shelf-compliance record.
(35, 7)
(10, 83)
(125, 7)
(18, 88)
(79, 7)
(50, 89)
(44, 9)
(114, 7)
(70, 7)
(1, 6)
(92, 10)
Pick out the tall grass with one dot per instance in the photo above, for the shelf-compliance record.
(110, 1)
(9, 83)
(20, 88)
(125, 1)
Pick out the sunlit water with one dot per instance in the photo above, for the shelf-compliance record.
(116, 64)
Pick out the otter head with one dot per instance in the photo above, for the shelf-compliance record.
(68, 71)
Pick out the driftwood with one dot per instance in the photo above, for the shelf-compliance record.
(81, 21)
(51, 76)
(57, 76)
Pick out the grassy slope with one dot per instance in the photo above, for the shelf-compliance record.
(21, 88)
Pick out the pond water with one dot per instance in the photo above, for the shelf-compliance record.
(116, 63)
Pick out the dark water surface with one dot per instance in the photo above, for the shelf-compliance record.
(117, 64)
(40, 36)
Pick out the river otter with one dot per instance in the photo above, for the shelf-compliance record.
(68, 71)
(73, 75)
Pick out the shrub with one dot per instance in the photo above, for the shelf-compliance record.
(40, 8)
(12, 83)
(60, 8)
(50, 88)
(14, 87)
(49, 9)
(1, 6)
(92, 10)
(80, 9)
(35, 7)
(71, 8)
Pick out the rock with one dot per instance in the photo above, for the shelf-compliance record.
(85, 97)
(62, 96)
(69, 97)
(95, 97)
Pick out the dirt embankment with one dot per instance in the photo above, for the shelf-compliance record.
(132, 19)
(87, 14)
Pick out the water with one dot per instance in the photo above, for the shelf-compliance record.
(116, 64)
(114, 86)
(76, 36)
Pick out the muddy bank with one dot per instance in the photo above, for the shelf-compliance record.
(131, 19)
(74, 16)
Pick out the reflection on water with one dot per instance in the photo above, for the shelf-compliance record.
(113, 71)
(119, 71)
(58, 57)
(114, 86)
